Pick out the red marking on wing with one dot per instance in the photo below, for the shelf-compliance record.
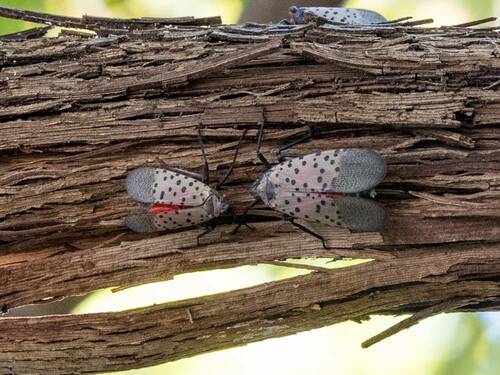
(160, 207)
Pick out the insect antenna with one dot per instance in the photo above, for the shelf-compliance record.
(204, 171)
(296, 142)
(260, 138)
(394, 21)
(231, 168)
(161, 162)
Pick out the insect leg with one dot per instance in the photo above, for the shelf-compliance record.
(209, 227)
(164, 165)
(296, 142)
(230, 170)
(194, 175)
(308, 231)
(284, 21)
(237, 228)
(260, 138)
(204, 171)
(242, 222)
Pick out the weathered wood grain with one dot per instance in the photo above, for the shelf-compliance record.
(100, 342)
(77, 112)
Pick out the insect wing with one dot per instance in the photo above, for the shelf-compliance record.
(155, 185)
(350, 16)
(148, 221)
(354, 213)
(361, 214)
(141, 221)
(343, 171)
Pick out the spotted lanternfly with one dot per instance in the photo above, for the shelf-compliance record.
(324, 187)
(299, 15)
(176, 200)
(173, 198)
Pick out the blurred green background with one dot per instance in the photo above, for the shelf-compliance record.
(453, 344)
(443, 11)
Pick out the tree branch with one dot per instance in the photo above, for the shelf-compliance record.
(153, 335)
(78, 112)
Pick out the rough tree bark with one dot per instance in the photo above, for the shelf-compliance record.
(78, 112)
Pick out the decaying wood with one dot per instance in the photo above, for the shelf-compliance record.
(100, 342)
(79, 111)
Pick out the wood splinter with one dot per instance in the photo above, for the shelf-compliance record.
(447, 306)
(190, 316)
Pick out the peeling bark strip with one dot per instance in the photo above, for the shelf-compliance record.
(91, 22)
(77, 112)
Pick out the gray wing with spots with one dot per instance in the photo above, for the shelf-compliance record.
(139, 184)
(354, 213)
(352, 16)
(144, 221)
(360, 170)
(361, 215)
(141, 223)
(155, 185)
(341, 171)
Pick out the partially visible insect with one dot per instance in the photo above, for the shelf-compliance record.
(299, 15)
(172, 198)
(324, 187)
